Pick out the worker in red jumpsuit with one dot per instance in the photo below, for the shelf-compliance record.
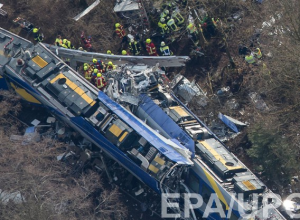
(100, 81)
(150, 47)
(121, 32)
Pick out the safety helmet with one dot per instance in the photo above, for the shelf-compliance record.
(162, 44)
(166, 11)
(190, 25)
(65, 41)
(85, 64)
(80, 48)
(117, 25)
(94, 60)
(108, 52)
(110, 63)
(162, 20)
(99, 74)
(35, 30)
(85, 68)
(148, 41)
(95, 70)
(131, 40)
(124, 52)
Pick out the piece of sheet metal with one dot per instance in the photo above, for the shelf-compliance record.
(87, 10)
(85, 57)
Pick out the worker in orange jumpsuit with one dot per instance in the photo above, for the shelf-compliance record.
(150, 47)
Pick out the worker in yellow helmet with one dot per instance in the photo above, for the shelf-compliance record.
(37, 35)
(110, 66)
(109, 52)
(150, 47)
(124, 52)
(67, 44)
(100, 81)
(87, 73)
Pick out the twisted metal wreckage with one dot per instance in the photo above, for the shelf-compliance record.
(136, 127)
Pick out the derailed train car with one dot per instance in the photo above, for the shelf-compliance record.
(146, 129)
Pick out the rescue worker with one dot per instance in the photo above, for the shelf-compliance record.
(164, 29)
(87, 73)
(94, 76)
(120, 32)
(110, 66)
(150, 47)
(177, 17)
(37, 35)
(109, 52)
(134, 47)
(258, 53)
(249, 58)
(171, 23)
(98, 64)
(81, 49)
(193, 32)
(215, 22)
(86, 41)
(165, 50)
(100, 82)
(67, 44)
(165, 14)
(58, 41)
(124, 52)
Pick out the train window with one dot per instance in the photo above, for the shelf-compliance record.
(194, 183)
(206, 192)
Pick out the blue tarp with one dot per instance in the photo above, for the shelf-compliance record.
(143, 130)
(166, 123)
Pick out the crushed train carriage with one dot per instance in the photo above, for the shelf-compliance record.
(138, 122)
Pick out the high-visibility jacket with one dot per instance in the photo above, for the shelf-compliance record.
(135, 48)
(215, 22)
(112, 67)
(151, 49)
(178, 17)
(192, 29)
(250, 59)
(87, 75)
(258, 53)
(68, 45)
(164, 28)
(165, 51)
(165, 15)
(58, 42)
(100, 82)
(37, 36)
(120, 32)
(172, 25)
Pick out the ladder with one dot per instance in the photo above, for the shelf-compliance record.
(143, 13)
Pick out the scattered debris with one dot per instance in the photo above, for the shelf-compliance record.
(87, 10)
(258, 101)
(228, 122)
(187, 90)
(15, 197)
(2, 12)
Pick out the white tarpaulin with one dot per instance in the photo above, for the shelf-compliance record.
(77, 17)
